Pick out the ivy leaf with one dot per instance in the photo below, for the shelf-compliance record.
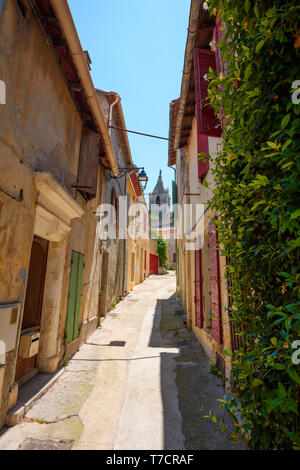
(285, 121)
(257, 382)
(288, 142)
(248, 71)
(274, 404)
(228, 352)
(281, 390)
(294, 376)
(274, 341)
(273, 145)
(294, 243)
(295, 214)
(247, 5)
(260, 45)
(292, 405)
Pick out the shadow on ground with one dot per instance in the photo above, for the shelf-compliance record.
(196, 386)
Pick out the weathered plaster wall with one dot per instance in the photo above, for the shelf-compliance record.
(191, 191)
(36, 98)
(40, 130)
(115, 249)
(215, 145)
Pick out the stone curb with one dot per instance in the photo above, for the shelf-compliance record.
(17, 414)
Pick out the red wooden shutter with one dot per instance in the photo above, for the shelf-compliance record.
(215, 284)
(203, 166)
(198, 288)
(88, 163)
(207, 122)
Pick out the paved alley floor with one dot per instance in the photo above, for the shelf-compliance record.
(139, 383)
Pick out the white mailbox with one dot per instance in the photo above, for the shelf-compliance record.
(9, 321)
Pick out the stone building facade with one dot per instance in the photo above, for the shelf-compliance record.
(114, 255)
(54, 152)
(196, 133)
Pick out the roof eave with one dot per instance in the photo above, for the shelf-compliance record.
(200, 28)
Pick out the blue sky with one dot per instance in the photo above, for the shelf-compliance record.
(137, 49)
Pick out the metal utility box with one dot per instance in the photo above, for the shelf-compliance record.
(9, 321)
(29, 345)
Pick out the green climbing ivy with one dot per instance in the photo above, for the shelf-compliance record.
(162, 251)
(257, 198)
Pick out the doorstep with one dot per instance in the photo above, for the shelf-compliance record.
(29, 394)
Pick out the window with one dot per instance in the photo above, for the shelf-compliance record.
(87, 173)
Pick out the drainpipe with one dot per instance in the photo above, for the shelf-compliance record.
(111, 108)
(63, 14)
(125, 243)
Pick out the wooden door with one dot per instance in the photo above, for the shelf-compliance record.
(154, 262)
(33, 300)
(74, 298)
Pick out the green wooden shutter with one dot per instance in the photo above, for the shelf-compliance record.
(74, 298)
(71, 299)
(174, 192)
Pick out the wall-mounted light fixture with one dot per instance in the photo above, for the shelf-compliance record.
(142, 175)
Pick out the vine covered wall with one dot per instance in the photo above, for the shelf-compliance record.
(257, 198)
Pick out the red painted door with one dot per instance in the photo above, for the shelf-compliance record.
(153, 264)
(215, 284)
(198, 288)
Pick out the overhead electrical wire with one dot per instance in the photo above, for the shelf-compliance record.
(139, 133)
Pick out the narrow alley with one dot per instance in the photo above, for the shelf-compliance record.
(138, 383)
(149, 226)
